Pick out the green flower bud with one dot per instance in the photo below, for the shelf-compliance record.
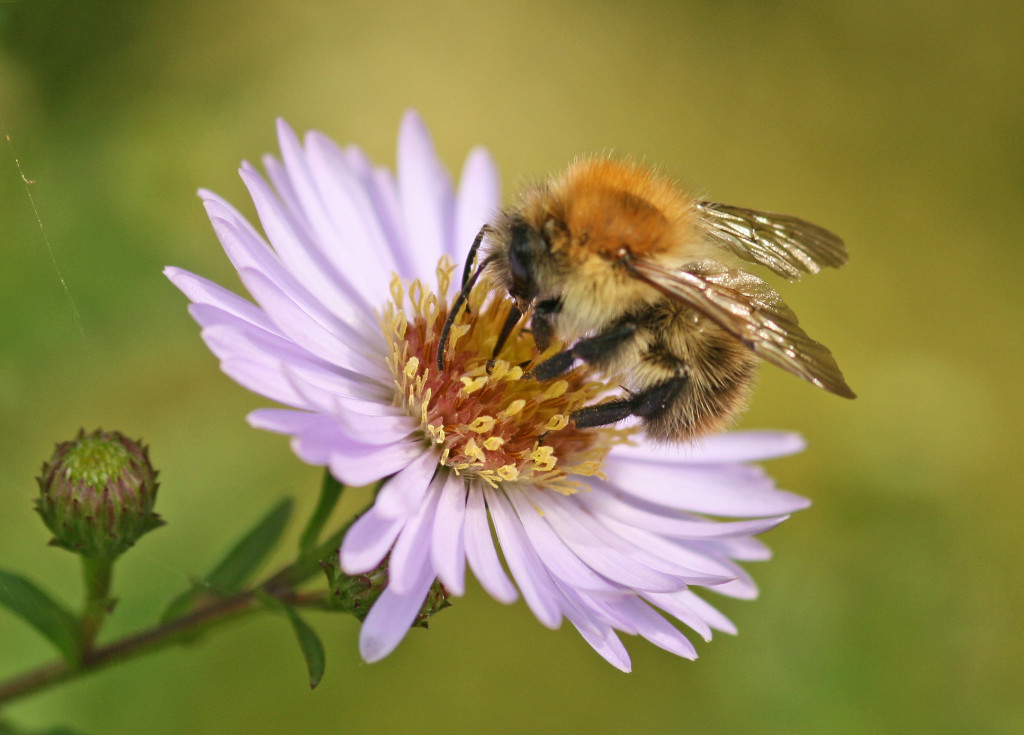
(356, 594)
(97, 494)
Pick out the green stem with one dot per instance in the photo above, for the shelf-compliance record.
(97, 574)
(280, 585)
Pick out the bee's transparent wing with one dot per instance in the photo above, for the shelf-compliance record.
(787, 245)
(753, 312)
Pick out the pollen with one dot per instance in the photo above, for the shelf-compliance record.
(490, 419)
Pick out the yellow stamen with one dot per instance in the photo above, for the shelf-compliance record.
(513, 408)
(471, 450)
(472, 385)
(493, 443)
(555, 390)
(411, 367)
(508, 472)
(499, 370)
(557, 422)
(482, 424)
(543, 457)
(488, 421)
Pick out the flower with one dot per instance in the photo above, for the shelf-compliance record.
(96, 494)
(594, 525)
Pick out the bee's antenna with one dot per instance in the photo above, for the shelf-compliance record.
(471, 257)
(469, 278)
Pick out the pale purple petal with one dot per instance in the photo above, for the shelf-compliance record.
(741, 588)
(321, 222)
(531, 576)
(382, 195)
(368, 542)
(709, 614)
(426, 196)
(320, 440)
(391, 616)
(624, 559)
(315, 445)
(376, 430)
(332, 344)
(381, 182)
(694, 567)
(359, 464)
(359, 289)
(348, 178)
(403, 495)
(607, 645)
(315, 442)
(307, 261)
(249, 253)
(229, 337)
(656, 629)
(724, 489)
(201, 291)
(267, 381)
(352, 244)
(668, 522)
(292, 371)
(258, 373)
(480, 552)
(743, 549)
(243, 245)
(282, 184)
(413, 544)
(477, 203)
(595, 610)
(552, 549)
(673, 604)
(447, 546)
(285, 421)
(732, 447)
(601, 638)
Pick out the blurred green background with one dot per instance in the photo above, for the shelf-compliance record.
(892, 605)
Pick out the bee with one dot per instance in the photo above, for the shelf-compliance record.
(649, 285)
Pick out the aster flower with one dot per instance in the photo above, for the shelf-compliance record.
(595, 526)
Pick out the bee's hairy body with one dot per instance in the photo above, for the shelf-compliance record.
(593, 257)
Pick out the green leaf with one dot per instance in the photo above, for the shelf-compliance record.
(330, 492)
(251, 550)
(234, 570)
(309, 642)
(180, 604)
(42, 612)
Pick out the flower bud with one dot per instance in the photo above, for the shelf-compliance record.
(97, 494)
(356, 594)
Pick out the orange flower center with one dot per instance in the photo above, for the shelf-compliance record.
(489, 417)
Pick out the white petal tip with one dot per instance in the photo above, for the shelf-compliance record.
(411, 118)
(373, 649)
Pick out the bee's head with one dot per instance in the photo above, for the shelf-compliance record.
(524, 258)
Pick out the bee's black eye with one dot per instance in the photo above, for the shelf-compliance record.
(525, 247)
(520, 271)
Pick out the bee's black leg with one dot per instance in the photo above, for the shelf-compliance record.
(602, 414)
(590, 350)
(514, 315)
(655, 400)
(648, 404)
